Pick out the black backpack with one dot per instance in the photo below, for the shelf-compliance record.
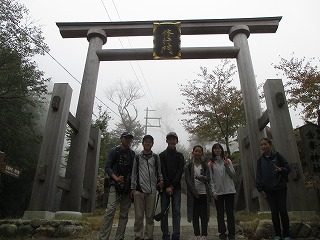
(122, 167)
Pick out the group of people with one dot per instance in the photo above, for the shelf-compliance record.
(145, 177)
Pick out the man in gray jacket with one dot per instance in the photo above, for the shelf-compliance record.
(145, 179)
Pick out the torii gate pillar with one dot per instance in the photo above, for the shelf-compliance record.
(71, 200)
(282, 132)
(239, 35)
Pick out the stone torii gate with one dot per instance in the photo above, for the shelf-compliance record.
(238, 29)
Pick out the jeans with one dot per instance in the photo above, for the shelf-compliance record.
(278, 205)
(114, 199)
(225, 202)
(176, 214)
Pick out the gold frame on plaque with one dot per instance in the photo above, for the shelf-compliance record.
(167, 40)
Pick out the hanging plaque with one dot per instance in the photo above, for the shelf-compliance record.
(166, 40)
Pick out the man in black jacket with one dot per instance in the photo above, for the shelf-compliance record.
(172, 165)
(118, 168)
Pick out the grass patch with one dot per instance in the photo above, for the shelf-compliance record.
(242, 216)
(93, 222)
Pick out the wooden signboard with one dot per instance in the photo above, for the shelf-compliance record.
(166, 40)
(7, 169)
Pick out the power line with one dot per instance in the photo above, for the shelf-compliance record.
(146, 84)
(104, 6)
(80, 83)
(145, 81)
(136, 61)
(73, 77)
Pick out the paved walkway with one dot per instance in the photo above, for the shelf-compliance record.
(186, 227)
(186, 230)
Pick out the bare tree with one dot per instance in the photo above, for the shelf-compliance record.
(124, 97)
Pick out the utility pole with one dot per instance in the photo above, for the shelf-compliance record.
(147, 118)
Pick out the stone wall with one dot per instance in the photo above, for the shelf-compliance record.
(39, 227)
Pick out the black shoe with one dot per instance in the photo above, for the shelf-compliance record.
(231, 237)
(222, 236)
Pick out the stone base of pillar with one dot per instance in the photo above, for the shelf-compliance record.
(38, 214)
(70, 215)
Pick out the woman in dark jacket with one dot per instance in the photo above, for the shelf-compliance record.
(197, 176)
(271, 182)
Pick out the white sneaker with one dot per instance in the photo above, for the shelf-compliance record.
(197, 238)
(204, 238)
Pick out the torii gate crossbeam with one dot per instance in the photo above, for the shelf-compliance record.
(188, 27)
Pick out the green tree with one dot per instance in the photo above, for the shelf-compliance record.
(20, 110)
(303, 86)
(124, 97)
(23, 92)
(108, 138)
(215, 107)
(18, 32)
